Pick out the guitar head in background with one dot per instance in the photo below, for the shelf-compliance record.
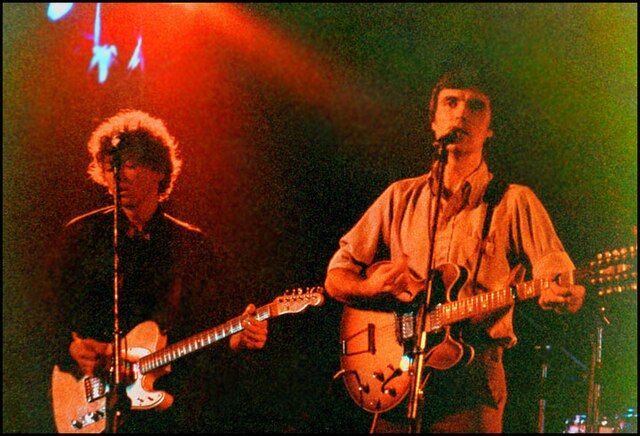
(298, 299)
(614, 272)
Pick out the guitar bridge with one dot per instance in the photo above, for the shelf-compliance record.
(89, 418)
(371, 342)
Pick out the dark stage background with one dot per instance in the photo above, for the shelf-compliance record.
(292, 119)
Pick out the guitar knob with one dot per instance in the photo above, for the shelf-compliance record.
(391, 392)
(378, 375)
(364, 388)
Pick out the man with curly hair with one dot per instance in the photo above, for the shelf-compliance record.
(169, 272)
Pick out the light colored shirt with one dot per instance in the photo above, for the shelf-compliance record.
(398, 224)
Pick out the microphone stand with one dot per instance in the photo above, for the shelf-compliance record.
(416, 396)
(544, 351)
(117, 394)
(595, 389)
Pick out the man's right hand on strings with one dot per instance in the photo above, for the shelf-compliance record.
(392, 279)
(93, 357)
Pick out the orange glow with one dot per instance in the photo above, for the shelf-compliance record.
(278, 58)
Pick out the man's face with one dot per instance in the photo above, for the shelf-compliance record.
(468, 110)
(138, 183)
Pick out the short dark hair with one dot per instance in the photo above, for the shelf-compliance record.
(145, 137)
(459, 78)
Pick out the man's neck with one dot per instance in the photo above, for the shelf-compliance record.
(139, 216)
(458, 168)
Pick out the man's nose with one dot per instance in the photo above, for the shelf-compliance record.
(462, 110)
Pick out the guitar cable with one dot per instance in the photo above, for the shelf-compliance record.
(374, 422)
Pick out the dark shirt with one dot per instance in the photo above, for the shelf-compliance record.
(169, 274)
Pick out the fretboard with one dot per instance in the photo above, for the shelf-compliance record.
(198, 341)
(449, 313)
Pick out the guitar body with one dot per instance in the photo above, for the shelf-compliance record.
(71, 410)
(373, 359)
(377, 345)
(446, 348)
(143, 340)
(79, 406)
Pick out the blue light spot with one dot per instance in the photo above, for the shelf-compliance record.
(136, 58)
(103, 55)
(58, 10)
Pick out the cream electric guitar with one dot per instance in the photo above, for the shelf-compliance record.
(79, 406)
(377, 346)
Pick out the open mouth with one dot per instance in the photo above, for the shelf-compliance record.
(460, 132)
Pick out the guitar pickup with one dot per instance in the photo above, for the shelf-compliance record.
(405, 327)
(94, 388)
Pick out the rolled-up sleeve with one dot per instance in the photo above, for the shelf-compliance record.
(359, 246)
(536, 237)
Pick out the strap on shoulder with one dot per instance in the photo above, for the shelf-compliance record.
(492, 196)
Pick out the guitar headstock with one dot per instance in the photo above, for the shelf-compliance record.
(297, 300)
(614, 271)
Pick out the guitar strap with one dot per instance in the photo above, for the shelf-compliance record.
(492, 196)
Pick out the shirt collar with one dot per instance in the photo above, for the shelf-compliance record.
(473, 186)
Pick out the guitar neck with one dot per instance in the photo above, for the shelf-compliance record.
(452, 312)
(612, 272)
(201, 340)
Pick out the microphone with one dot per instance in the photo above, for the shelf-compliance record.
(441, 144)
(115, 141)
(450, 138)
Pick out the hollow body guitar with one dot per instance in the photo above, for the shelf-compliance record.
(377, 345)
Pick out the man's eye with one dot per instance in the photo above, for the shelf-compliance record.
(451, 102)
(476, 105)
